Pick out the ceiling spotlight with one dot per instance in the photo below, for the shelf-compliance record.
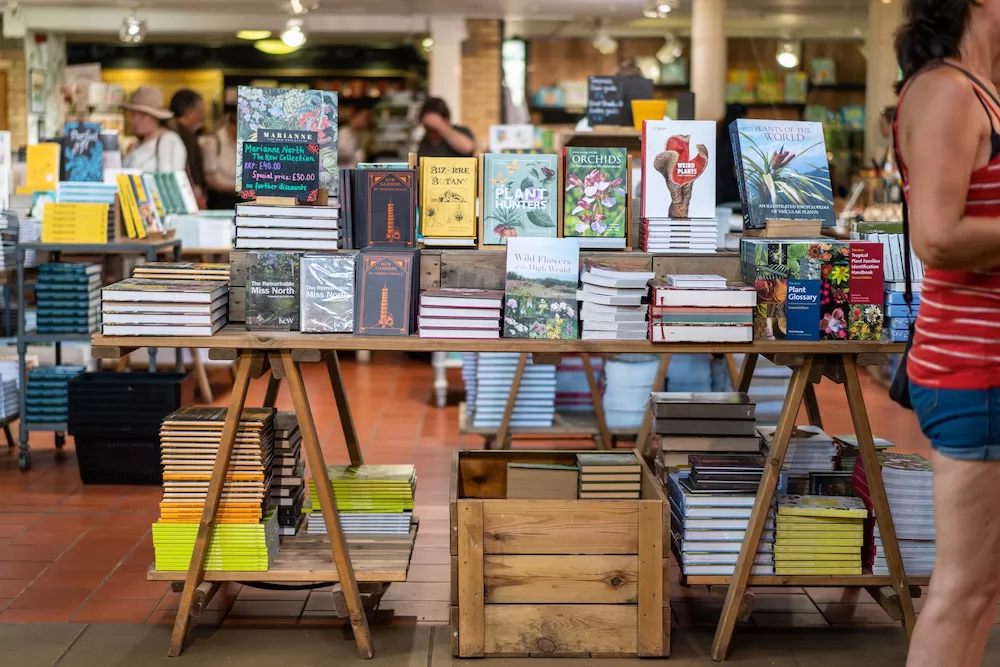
(664, 7)
(604, 42)
(132, 30)
(253, 35)
(650, 11)
(671, 50)
(301, 7)
(292, 35)
(788, 54)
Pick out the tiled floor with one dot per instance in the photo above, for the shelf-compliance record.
(76, 554)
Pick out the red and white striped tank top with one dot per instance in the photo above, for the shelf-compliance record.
(957, 339)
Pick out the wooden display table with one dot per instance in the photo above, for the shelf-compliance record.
(283, 352)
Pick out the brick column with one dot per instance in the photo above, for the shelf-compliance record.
(481, 79)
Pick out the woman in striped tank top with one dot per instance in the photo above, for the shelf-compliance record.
(947, 131)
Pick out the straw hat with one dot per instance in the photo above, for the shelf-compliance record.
(148, 100)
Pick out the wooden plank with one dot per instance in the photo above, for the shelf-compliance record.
(812, 406)
(306, 356)
(430, 271)
(545, 359)
(650, 634)
(224, 354)
(453, 503)
(734, 371)
(508, 410)
(560, 527)
(237, 268)
(454, 579)
(561, 629)
(271, 392)
(277, 366)
(561, 579)
(111, 351)
(746, 372)
(344, 409)
(237, 304)
(471, 268)
(724, 263)
(598, 402)
(470, 578)
(453, 620)
(643, 442)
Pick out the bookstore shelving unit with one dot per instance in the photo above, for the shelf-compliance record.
(333, 561)
(150, 249)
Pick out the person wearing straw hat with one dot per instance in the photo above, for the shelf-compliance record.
(159, 148)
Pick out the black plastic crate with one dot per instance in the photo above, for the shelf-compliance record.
(125, 406)
(104, 461)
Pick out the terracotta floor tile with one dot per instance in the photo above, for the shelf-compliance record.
(109, 610)
(128, 586)
(21, 570)
(47, 615)
(11, 588)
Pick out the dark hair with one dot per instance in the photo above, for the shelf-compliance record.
(932, 30)
(436, 105)
(889, 113)
(183, 101)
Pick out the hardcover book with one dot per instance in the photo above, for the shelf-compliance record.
(82, 152)
(327, 283)
(542, 276)
(386, 292)
(448, 198)
(678, 169)
(783, 172)
(596, 192)
(272, 301)
(389, 209)
(275, 114)
(520, 197)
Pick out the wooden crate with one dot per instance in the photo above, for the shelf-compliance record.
(580, 578)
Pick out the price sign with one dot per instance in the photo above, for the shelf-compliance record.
(288, 169)
(604, 100)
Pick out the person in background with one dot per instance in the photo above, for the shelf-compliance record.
(159, 148)
(219, 152)
(352, 137)
(727, 189)
(441, 138)
(948, 136)
(189, 115)
(887, 117)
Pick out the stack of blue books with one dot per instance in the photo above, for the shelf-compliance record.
(898, 315)
(69, 298)
(48, 393)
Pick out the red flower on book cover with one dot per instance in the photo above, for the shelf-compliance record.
(313, 148)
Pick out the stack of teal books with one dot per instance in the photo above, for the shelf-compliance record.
(371, 499)
(47, 399)
(69, 298)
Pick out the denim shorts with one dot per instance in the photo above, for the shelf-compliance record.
(961, 424)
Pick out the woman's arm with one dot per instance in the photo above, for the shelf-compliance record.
(942, 133)
(459, 141)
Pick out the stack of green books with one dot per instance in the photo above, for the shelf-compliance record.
(233, 548)
(371, 499)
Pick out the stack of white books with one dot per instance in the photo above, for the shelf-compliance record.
(9, 399)
(692, 237)
(810, 449)
(701, 309)
(614, 303)
(535, 404)
(144, 307)
(460, 313)
(264, 227)
(628, 379)
(470, 363)
(907, 479)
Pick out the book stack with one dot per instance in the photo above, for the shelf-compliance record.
(181, 271)
(470, 365)
(10, 234)
(263, 227)
(47, 399)
(460, 313)
(899, 315)
(614, 303)
(371, 499)
(810, 450)
(679, 236)
(79, 192)
(627, 380)
(144, 307)
(9, 397)
(288, 489)
(709, 525)
(847, 450)
(609, 476)
(69, 298)
(701, 309)
(819, 535)
(712, 422)
(234, 547)
(534, 406)
(572, 389)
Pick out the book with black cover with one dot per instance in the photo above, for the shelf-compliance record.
(386, 292)
(347, 209)
(702, 405)
(272, 300)
(327, 284)
(389, 207)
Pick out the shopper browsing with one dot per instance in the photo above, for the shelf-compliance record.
(441, 138)
(353, 136)
(219, 151)
(158, 148)
(947, 130)
(189, 115)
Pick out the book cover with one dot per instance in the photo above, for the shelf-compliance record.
(824, 71)
(42, 168)
(866, 294)
(272, 301)
(822, 506)
(520, 197)
(385, 293)
(678, 169)
(540, 300)
(778, 269)
(448, 197)
(276, 109)
(327, 284)
(82, 153)
(389, 207)
(596, 192)
(783, 174)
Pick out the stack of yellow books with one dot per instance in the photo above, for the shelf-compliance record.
(819, 535)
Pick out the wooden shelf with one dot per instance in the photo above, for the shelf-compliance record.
(816, 580)
(306, 558)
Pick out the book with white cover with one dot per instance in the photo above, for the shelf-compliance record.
(163, 330)
(170, 291)
(458, 333)
(594, 311)
(735, 296)
(166, 308)
(290, 223)
(286, 233)
(678, 169)
(597, 275)
(454, 312)
(609, 300)
(666, 333)
(457, 297)
(262, 210)
(695, 281)
(458, 323)
(593, 325)
(285, 244)
(591, 334)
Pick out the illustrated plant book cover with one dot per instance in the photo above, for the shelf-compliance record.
(596, 192)
(272, 300)
(678, 169)
(82, 153)
(448, 197)
(540, 299)
(327, 283)
(783, 172)
(388, 212)
(276, 109)
(822, 506)
(520, 197)
(386, 292)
